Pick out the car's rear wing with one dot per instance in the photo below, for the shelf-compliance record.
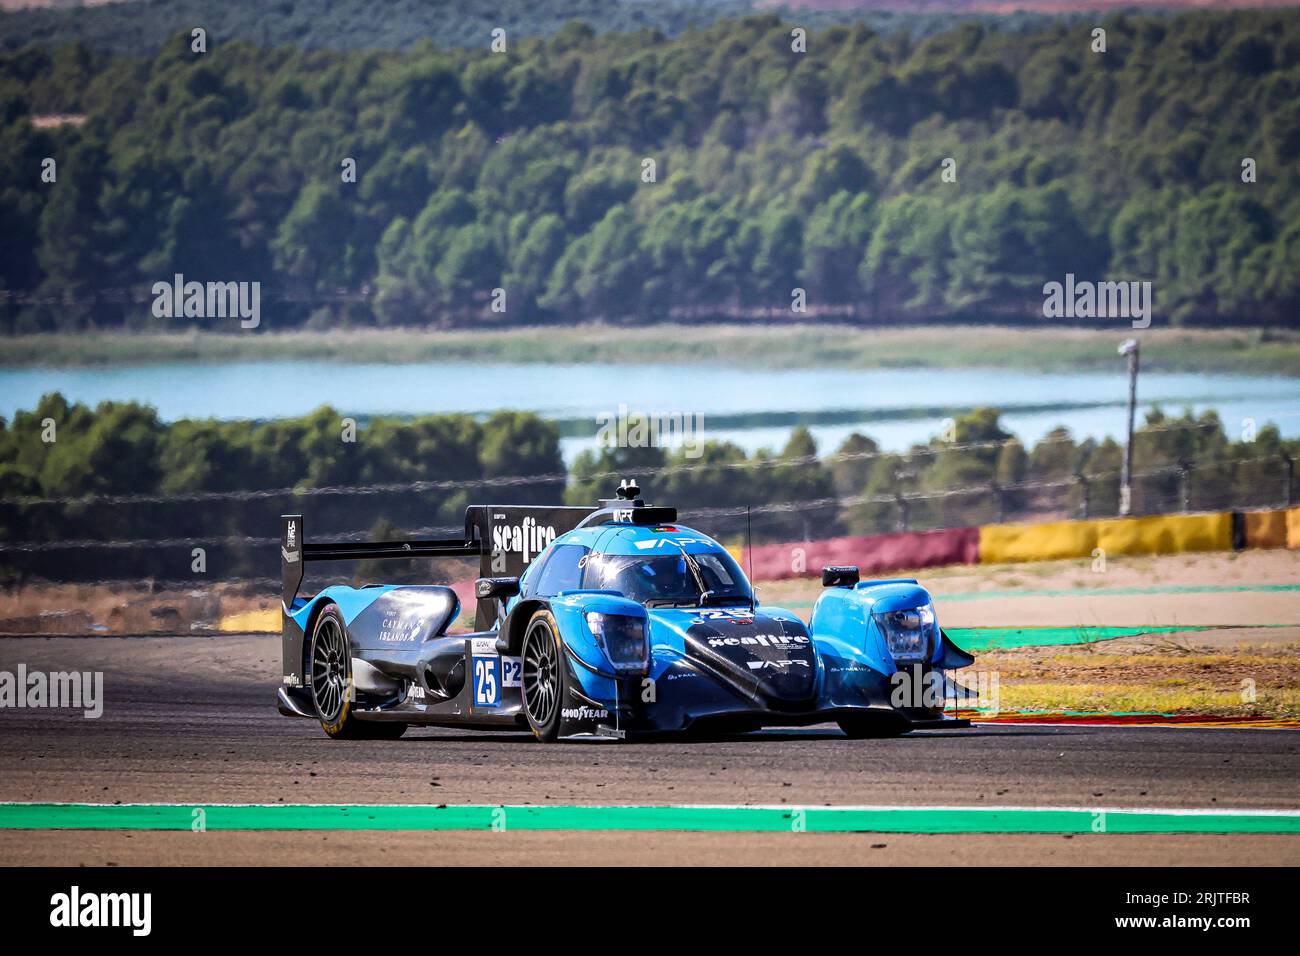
(504, 539)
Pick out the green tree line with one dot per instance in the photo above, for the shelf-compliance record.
(70, 473)
(144, 25)
(525, 171)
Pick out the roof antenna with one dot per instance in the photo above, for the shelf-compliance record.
(628, 489)
(749, 558)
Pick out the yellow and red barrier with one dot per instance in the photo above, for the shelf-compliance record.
(1047, 541)
(1268, 529)
(1155, 534)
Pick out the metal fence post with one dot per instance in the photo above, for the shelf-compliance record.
(1288, 470)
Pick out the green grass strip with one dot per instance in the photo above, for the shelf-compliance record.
(51, 816)
(1004, 638)
(1115, 592)
(942, 599)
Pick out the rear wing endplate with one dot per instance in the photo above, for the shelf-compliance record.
(504, 539)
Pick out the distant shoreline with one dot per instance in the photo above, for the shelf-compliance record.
(1240, 351)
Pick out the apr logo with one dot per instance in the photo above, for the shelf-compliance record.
(670, 543)
(781, 666)
(527, 540)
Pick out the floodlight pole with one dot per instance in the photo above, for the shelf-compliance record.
(1129, 348)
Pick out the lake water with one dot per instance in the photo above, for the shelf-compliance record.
(895, 407)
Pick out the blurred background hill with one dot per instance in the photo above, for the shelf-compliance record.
(524, 171)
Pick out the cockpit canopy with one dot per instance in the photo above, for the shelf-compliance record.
(669, 579)
(660, 566)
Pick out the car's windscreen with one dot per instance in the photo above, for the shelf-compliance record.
(668, 578)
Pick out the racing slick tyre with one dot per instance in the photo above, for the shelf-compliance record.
(544, 678)
(331, 683)
(873, 727)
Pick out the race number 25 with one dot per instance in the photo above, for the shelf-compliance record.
(487, 682)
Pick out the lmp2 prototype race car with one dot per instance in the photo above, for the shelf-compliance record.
(617, 623)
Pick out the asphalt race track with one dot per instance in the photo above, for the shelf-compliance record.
(192, 721)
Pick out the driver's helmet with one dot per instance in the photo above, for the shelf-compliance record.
(668, 578)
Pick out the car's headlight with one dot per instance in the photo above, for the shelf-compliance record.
(623, 639)
(909, 634)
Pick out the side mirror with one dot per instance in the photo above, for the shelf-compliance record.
(843, 576)
(485, 589)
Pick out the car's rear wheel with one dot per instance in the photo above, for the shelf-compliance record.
(872, 727)
(332, 693)
(543, 679)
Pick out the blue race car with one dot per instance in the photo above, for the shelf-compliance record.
(618, 622)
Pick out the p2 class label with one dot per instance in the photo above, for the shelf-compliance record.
(512, 672)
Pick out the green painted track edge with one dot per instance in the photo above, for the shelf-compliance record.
(1008, 638)
(634, 818)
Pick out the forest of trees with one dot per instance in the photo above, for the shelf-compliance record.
(118, 473)
(524, 171)
(142, 26)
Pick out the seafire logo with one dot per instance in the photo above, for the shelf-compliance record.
(527, 540)
(74, 908)
(583, 713)
(780, 641)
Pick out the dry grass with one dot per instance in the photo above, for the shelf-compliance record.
(123, 609)
(776, 344)
(1132, 675)
(1125, 698)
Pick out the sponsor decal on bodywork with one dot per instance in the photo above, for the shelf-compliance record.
(398, 630)
(485, 672)
(651, 544)
(527, 539)
(760, 656)
(584, 713)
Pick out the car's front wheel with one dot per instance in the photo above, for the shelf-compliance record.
(331, 683)
(543, 679)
